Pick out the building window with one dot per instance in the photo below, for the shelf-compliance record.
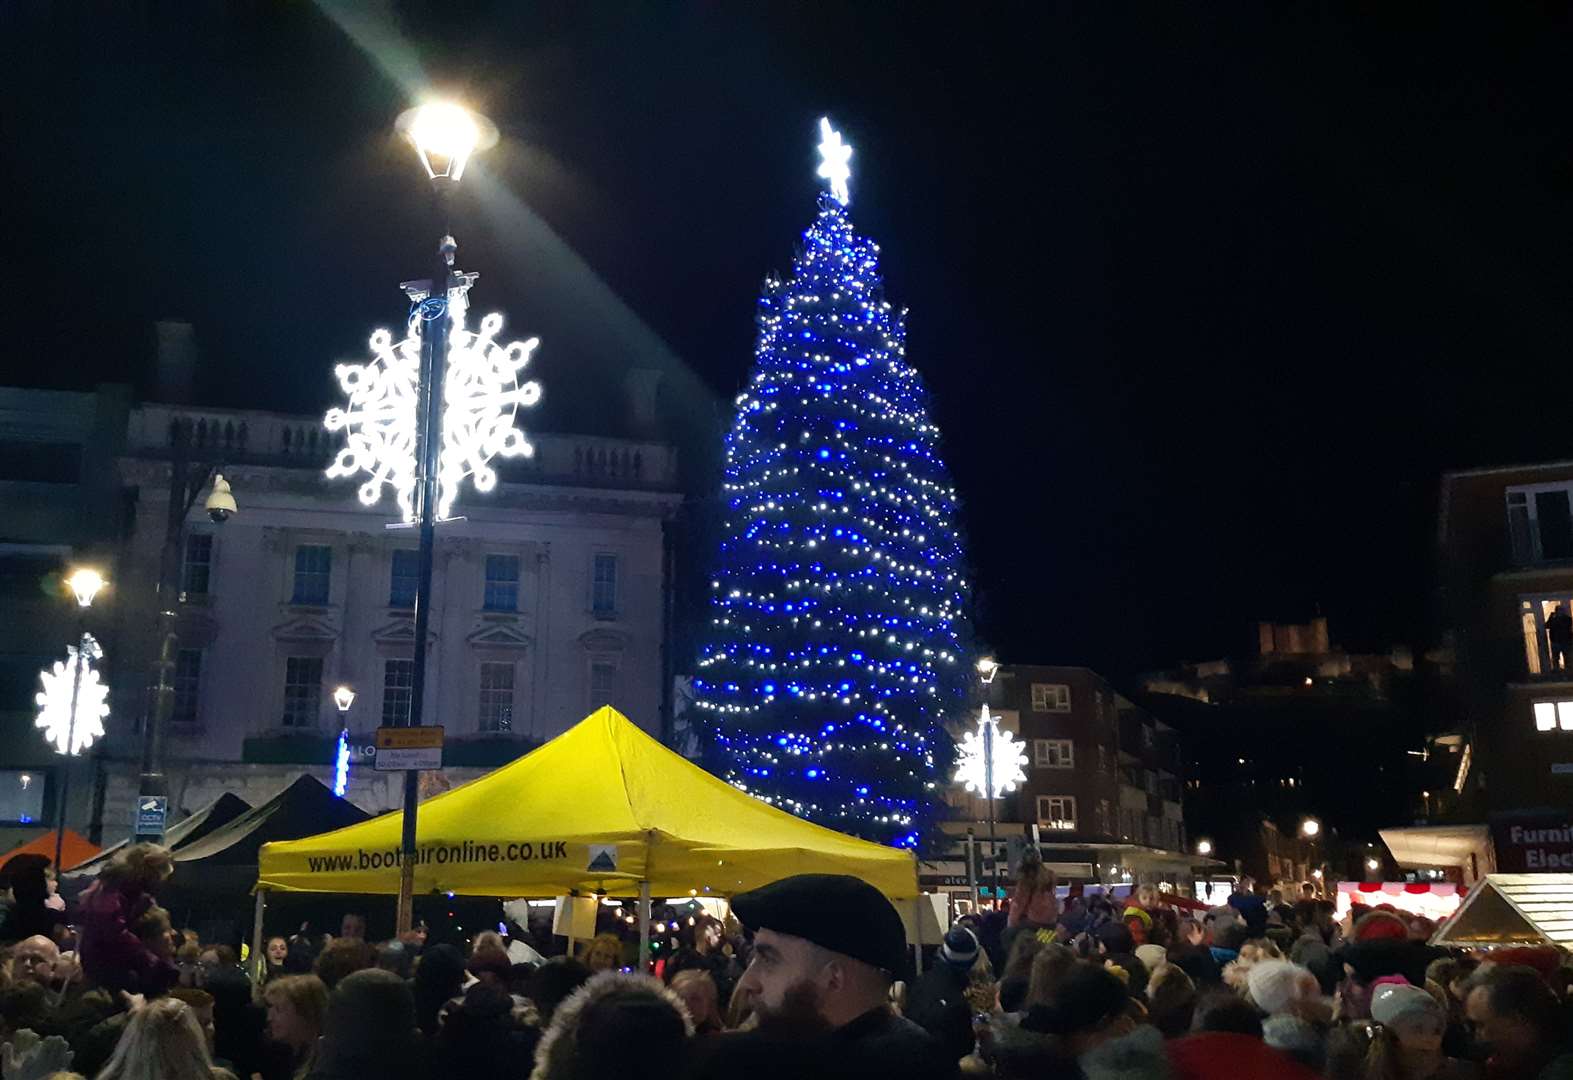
(398, 691)
(603, 587)
(496, 696)
(603, 682)
(1051, 697)
(1057, 812)
(402, 579)
(1554, 715)
(502, 583)
(1054, 753)
(313, 572)
(198, 564)
(188, 677)
(1540, 523)
(302, 691)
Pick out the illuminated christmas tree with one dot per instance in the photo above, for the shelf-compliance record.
(836, 646)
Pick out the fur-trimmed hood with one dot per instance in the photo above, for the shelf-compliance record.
(554, 1058)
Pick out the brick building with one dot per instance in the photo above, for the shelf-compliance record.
(1103, 784)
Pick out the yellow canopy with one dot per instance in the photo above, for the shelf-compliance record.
(602, 806)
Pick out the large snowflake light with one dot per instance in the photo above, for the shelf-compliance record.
(481, 397)
(54, 701)
(973, 752)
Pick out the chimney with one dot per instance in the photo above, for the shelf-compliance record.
(176, 366)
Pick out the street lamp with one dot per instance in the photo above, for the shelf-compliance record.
(991, 763)
(74, 701)
(1310, 828)
(987, 669)
(1373, 865)
(343, 697)
(424, 415)
(444, 136)
(1204, 847)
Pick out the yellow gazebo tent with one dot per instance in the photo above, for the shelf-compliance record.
(601, 807)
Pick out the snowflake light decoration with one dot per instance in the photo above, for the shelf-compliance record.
(54, 701)
(481, 397)
(1009, 765)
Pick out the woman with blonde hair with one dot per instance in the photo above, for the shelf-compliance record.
(162, 1041)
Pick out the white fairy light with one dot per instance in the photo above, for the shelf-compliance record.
(54, 701)
(972, 764)
(482, 395)
(836, 164)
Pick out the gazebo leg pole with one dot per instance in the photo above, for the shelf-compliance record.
(644, 926)
(917, 934)
(259, 958)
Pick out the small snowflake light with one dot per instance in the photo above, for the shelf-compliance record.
(482, 395)
(973, 766)
(54, 701)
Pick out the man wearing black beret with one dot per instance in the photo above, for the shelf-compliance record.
(826, 949)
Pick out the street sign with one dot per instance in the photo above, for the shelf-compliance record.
(151, 812)
(403, 748)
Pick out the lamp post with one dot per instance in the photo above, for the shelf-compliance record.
(85, 584)
(991, 763)
(184, 487)
(431, 409)
(343, 698)
(444, 136)
(1311, 829)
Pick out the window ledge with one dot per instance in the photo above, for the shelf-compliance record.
(500, 614)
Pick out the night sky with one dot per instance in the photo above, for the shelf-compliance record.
(1206, 300)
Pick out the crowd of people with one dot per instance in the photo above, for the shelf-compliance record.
(810, 976)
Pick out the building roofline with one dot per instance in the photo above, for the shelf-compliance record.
(1491, 470)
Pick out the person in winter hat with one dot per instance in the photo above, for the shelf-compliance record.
(937, 1000)
(827, 948)
(1281, 987)
(1408, 1042)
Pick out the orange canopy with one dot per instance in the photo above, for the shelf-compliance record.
(77, 848)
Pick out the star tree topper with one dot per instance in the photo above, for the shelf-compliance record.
(836, 164)
(1009, 765)
(54, 701)
(482, 395)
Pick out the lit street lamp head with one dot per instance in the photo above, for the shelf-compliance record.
(85, 584)
(987, 668)
(445, 135)
(1310, 828)
(1204, 847)
(344, 697)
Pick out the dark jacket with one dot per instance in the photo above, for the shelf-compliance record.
(880, 1044)
(937, 1002)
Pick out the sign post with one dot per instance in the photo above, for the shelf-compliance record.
(401, 749)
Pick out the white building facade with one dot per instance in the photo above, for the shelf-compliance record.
(549, 598)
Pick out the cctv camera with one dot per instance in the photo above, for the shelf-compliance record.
(221, 501)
